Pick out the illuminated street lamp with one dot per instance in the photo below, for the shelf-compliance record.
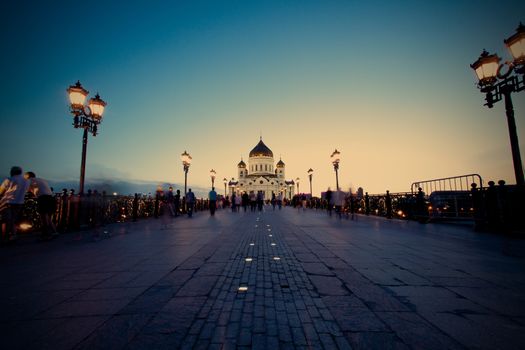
(335, 157)
(212, 175)
(225, 183)
(85, 117)
(498, 82)
(297, 181)
(186, 162)
(310, 175)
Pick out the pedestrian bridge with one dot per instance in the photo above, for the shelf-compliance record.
(272, 279)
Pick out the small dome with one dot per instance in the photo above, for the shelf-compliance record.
(261, 150)
(280, 164)
(241, 164)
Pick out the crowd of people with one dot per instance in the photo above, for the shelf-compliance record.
(165, 203)
(13, 192)
(70, 211)
(252, 201)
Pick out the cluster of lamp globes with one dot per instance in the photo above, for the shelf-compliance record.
(85, 116)
(488, 68)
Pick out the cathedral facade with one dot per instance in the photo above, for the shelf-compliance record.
(261, 174)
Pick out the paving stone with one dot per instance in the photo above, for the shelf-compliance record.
(69, 334)
(416, 332)
(153, 341)
(375, 340)
(198, 286)
(115, 333)
(316, 269)
(245, 337)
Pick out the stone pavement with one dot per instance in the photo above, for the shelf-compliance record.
(288, 279)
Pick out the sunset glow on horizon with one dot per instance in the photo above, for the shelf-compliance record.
(387, 84)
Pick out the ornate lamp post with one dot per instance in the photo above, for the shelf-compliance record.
(225, 183)
(498, 82)
(297, 182)
(310, 175)
(85, 117)
(212, 175)
(186, 161)
(335, 161)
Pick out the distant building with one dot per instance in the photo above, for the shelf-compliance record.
(262, 175)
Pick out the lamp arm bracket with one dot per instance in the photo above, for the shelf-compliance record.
(502, 74)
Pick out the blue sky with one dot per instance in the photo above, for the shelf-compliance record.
(387, 83)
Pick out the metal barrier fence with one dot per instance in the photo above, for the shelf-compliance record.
(454, 183)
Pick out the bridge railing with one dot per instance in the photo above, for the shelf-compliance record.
(402, 205)
(74, 212)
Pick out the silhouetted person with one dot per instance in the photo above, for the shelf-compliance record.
(420, 205)
(492, 206)
(260, 200)
(213, 201)
(329, 201)
(234, 202)
(245, 201)
(238, 202)
(74, 209)
(353, 205)
(46, 203)
(190, 202)
(388, 205)
(367, 204)
(13, 191)
(170, 199)
(176, 203)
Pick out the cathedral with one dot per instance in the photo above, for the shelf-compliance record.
(261, 175)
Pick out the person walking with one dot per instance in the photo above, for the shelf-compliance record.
(238, 202)
(280, 200)
(338, 199)
(176, 203)
(260, 200)
(212, 196)
(253, 201)
(303, 202)
(245, 200)
(190, 202)
(367, 204)
(46, 203)
(12, 192)
(422, 213)
(329, 202)
(234, 202)
(170, 199)
(388, 205)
